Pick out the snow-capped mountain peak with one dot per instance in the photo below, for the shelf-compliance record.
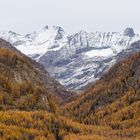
(49, 33)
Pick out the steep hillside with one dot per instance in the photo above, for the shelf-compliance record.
(114, 100)
(75, 60)
(24, 84)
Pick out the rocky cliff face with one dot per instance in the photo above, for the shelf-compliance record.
(74, 60)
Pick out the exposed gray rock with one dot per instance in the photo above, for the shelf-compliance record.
(129, 32)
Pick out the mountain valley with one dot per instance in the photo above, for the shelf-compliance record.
(31, 101)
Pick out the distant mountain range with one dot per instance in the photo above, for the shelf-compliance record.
(78, 59)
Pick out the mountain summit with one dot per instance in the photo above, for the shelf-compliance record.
(129, 32)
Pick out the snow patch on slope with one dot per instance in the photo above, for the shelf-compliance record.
(100, 53)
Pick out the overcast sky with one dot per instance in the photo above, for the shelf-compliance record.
(25, 16)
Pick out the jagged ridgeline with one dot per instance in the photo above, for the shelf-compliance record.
(24, 84)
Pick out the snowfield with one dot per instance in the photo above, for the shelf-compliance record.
(100, 53)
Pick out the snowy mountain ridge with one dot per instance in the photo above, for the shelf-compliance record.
(74, 60)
